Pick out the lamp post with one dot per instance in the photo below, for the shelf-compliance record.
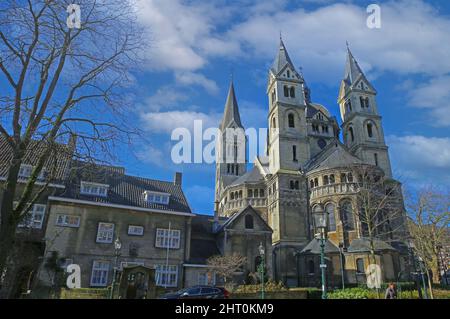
(261, 267)
(117, 247)
(321, 224)
(442, 264)
(341, 259)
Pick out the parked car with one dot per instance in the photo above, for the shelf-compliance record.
(198, 292)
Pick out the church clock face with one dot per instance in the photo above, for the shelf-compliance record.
(321, 142)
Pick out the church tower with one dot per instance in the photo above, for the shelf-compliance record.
(288, 147)
(231, 146)
(288, 151)
(362, 129)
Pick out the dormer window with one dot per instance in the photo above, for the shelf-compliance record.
(25, 170)
(157, 197)
(94, 189)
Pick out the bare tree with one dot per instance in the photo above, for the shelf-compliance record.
(429, 212)
(381, 213)
(58, 81)
(226, 266)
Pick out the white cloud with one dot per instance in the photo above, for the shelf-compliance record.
(166, 97)
(191, 78)
(413, 37)
(420, 160)
(435, 97)
(166, 122)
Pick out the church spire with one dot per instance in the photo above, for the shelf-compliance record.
(352, 69)
(231, 113)
(281, 59)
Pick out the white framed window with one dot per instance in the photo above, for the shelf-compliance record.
(131, 263)
(25, 170)
(68, 220)
(105, 233)
(100, 271)
(167, 239)
(206, 278)
(157, 198)
(166, 275)
(34, 218)
(134, 230)
(94, 189)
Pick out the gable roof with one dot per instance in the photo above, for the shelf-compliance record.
(231, 112)
(123, 189)
(363, 245)
(335, 154)
(313, 247)
(249, 209)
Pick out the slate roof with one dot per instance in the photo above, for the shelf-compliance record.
(59, 161)
(252, 176)
(335, 154)
(235, 216)
(281, 59)
(231, 112)
(352, 69)
(123, 189)
(363, 245)
(313, 247)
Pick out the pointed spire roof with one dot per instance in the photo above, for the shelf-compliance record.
(352, 69)
(231, 112)
(281, 59)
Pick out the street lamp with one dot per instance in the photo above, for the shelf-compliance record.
(320, 219)
(117, 248)
(442, 263)
(262, 254)
(341, 259)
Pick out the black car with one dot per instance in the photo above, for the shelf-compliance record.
(198, 292)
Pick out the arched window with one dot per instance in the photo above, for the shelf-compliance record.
(294, 153)
(311, 184)
(367, 102)
(316, 182)
(311, 268)
(237, 169)
(329, 208)
(288, 73)
(348, 105)
(286, 91)
(291, 184)
(326, 181)
(291, 121)
(261, 193)
(274, 122)
(350, 177)
(343, 178)
(347, 215)
(250, 193)
(369, 129)
(375, 156)
(292, 91)
(248, 222)
(360, 266)
(361, 101)
(332, 179)
(352, 136)
(240, 194)
(232, 195)
(228, 168)
(297, 185)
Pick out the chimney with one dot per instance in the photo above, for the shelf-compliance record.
(178, 178)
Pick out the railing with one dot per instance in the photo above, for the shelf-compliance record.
(242, 203)
(332, 189)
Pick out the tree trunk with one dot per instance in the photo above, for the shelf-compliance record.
(430, 284)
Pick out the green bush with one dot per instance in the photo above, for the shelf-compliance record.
(350, 293)
(269, 286)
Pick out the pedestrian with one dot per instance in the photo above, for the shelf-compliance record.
(391, 291)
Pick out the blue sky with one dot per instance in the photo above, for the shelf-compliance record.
(196, 44)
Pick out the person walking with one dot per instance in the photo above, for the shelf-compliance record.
(391, 291)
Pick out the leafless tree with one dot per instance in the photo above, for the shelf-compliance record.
(429, 212)
(226, 266)
(59, 81)
(380, 208)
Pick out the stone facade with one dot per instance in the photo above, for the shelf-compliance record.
(306, 165)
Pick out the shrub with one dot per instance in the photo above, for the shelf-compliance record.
(269, 286)
(350, 293)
